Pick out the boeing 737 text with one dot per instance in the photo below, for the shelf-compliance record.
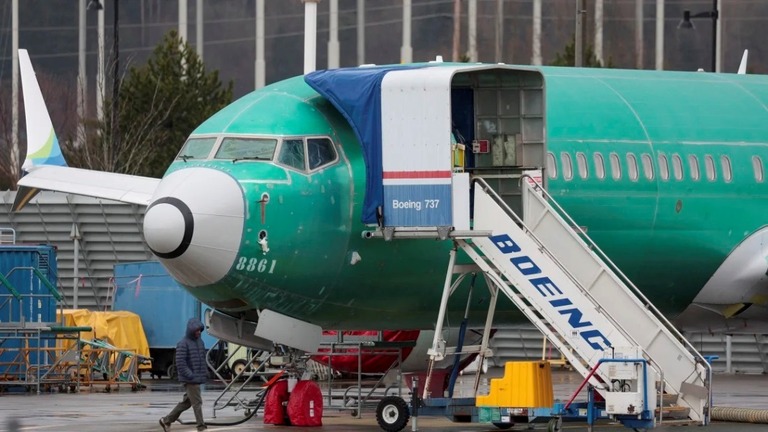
(416, 205)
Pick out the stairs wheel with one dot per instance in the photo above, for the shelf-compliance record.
(392, 414)
(555, 425)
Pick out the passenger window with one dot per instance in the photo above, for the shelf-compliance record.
(197, 148)
(647, 166)
(581, 161)
(663, 167)
(693, 164)
(565, 158)
(615, 166)
(757, 165)
(551, 165)
(632, 166)
(725, 163)
(292, 154)
(677, 166)
(320, 152)
(247, 148)
(599, 166)
(709, 166)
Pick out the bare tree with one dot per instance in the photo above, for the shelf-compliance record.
(135, 137)
(7, 173)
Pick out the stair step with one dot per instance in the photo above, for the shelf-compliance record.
(670, 400)
(675, 422)
(673, 412)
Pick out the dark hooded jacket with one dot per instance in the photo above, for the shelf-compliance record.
(190, 355)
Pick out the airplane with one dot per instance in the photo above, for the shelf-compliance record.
(268, 212)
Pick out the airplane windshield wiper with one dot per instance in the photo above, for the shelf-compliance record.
(251, 158)
(186, 157)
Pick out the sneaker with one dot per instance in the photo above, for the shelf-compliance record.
(166, 427)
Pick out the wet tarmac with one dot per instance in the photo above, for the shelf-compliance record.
(124, 410)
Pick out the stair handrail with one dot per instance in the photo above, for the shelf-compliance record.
(35, 271)
(647, 303)
(495, 196)
(5, 282)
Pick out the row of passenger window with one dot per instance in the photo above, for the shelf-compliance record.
(668, 166)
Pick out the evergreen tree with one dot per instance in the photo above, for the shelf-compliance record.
(568, 57)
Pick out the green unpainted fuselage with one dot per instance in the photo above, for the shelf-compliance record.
(669, 236)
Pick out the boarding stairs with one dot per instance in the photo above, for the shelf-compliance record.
(578, 298)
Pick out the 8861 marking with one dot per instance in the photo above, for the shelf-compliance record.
(259, 265)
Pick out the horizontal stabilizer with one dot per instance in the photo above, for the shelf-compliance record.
(97, 184)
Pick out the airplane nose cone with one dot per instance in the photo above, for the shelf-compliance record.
(195, 224)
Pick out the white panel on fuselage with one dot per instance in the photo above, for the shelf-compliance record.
(416, 147)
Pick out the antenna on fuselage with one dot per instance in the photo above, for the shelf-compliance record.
(743, 64)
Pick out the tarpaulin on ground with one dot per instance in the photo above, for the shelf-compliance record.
(122, 329)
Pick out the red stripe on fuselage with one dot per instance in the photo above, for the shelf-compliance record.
(416, 174)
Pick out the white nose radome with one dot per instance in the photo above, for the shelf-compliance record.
(195, 224)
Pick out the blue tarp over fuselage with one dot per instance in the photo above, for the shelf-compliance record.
(356, 93)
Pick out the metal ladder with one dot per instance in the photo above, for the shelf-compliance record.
(579, 300)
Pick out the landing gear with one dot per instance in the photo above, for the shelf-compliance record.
(392, 414)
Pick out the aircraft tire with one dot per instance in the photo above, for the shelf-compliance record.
(238, 366)
(392, 414)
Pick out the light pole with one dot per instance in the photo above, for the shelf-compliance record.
(713, 14)
(115, 149)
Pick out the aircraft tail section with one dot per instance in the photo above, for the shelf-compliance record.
(42, 143)
(46, 168)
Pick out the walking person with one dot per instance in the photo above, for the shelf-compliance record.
(192, 371)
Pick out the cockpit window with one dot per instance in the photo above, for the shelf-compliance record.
(320, 152)
(237, 148)
(292, 154)
(197, 148)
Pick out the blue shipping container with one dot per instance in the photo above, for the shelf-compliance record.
(37, 303)
(23, 267)
(146, 289)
